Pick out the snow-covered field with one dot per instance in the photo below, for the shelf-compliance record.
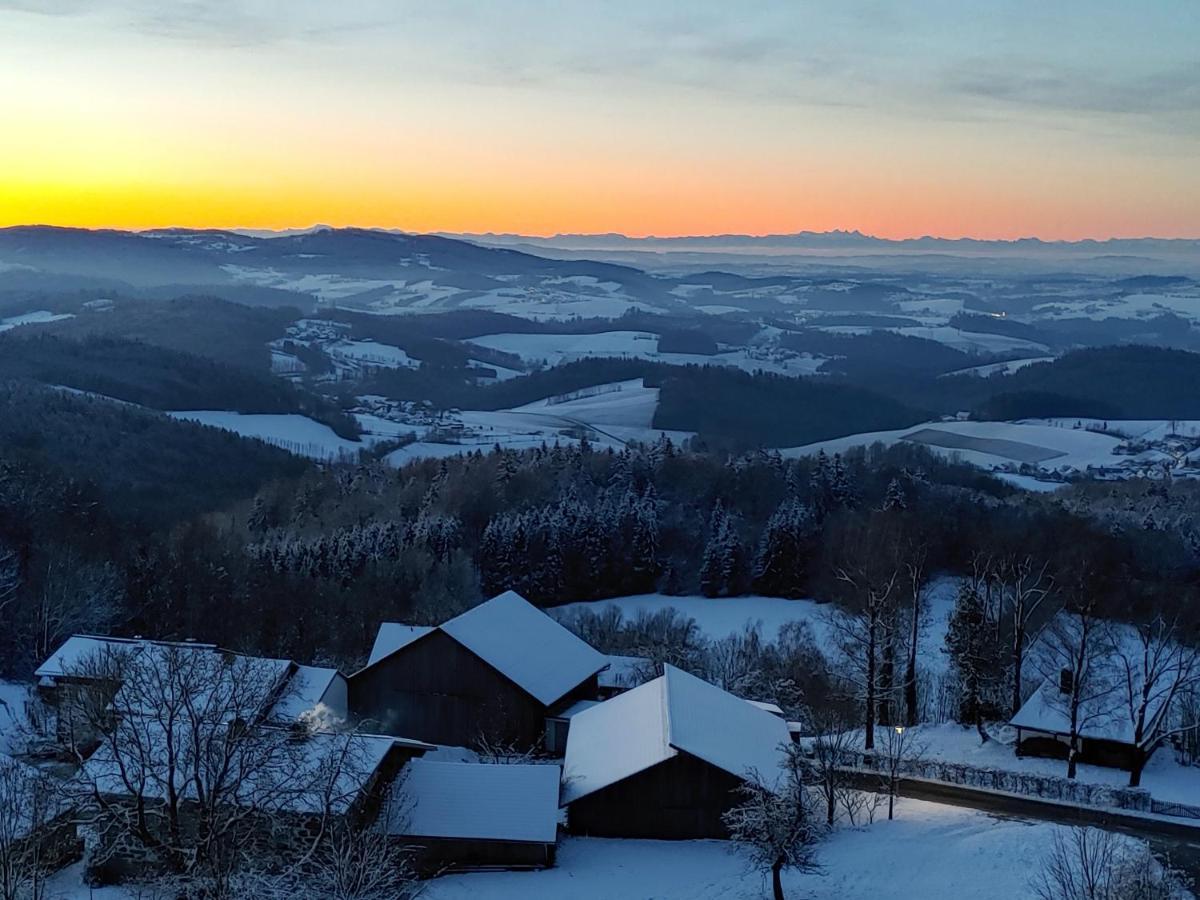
(1141, 429)
(967, 341)
(720, 617)
(373, 353)
(990, 444)
(1005, 368)
(930, 851)
(295, 433)
(38, 317)
(611, 414)
(555, 349)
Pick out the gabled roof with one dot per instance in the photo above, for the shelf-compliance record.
(80, 648)
(525, 645)
(475, 801)
(393, 636)
(675, 713)
(304, 690)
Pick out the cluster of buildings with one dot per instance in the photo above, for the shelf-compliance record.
(498, 729)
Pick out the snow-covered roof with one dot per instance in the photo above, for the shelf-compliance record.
(773, 708)
(79, 649)
(392, 636)
(675, 713)
(480, 802)
(527, 646)
(304, 690)
(625, 671)
(1104, 712)
(319, 771)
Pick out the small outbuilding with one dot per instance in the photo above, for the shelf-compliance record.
(664, 760)
(463, 816)
(496, 673)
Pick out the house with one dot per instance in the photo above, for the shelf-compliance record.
(463, 816)
(287, 788)
(496, 672)
(664, 760)
(286, 692)
(1106, 730)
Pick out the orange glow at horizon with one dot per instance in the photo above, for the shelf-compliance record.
(110, 129)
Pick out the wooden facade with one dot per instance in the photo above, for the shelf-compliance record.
(436, 856)
(682, 798)
(437, 690)
(1092, 751)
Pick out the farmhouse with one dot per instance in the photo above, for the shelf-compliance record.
(470, 816)
(495, 672)
(289, 691)
(664, 759)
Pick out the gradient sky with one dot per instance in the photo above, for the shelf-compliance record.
(1056, 118)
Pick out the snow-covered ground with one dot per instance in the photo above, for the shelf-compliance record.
(1163, 777)
(13, 696)
(373, 353)
(1141, 429)
(611, 414)
(555, 349)
(295, 433)
(38, 317)
(930, 851)
(990, 444)
(967, 341)
(1006, 368)
(722, 616)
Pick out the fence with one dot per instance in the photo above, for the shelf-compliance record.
(1181, 810)
(1045, 787)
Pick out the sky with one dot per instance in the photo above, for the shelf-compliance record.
(1061, 119)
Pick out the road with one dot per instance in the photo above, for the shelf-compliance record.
(1175, 839)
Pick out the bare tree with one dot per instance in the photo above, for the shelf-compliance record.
(1154, 668)
(776, 825)
(899, 746)
(914, 581)
(27, 807)
(1075, 661)
(10, 580)
(188, 768)
(868, 571)
(831, 750)
(76, 596)
(1092, 864)
(1025, 588)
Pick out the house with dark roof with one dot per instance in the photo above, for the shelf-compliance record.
(495, 673)
(457, 816)
(664, 760)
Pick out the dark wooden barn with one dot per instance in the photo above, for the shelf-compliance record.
(495, 672)
(664, 760)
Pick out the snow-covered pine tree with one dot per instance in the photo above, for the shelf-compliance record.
(779, 565)
(972, 655)
(895, 497)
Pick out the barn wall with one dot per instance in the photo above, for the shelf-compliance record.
(433, 856)
(438, 691)
(680, 799)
